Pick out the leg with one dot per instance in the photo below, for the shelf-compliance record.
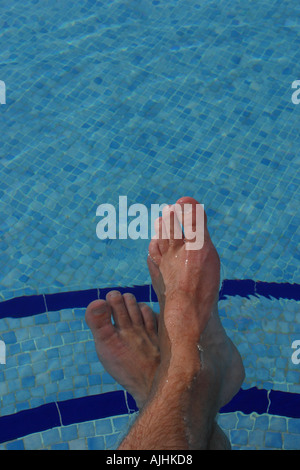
(196, 356)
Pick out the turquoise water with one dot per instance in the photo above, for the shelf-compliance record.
(151, 100)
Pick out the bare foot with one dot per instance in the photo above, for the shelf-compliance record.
(128, 349)
(194, 346)
(198, 270)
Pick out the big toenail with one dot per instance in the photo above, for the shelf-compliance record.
(99, 310)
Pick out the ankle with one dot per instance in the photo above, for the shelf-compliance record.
(185, 326)
(179, 373)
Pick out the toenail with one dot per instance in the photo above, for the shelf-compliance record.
(129, 295)
(99, 310)
(114, 293)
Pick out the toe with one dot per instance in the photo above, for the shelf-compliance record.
(153, 269)
(194, 221)
(119, 310)
(133, 309)
(154, 251)
(98, 318)
(156, 280)
(187, 200)
(161, 235)
(149, 318)
(172, 221)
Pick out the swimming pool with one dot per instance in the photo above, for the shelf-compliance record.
(152, 101)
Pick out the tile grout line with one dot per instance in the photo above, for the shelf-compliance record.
(126, 401)
(130, 411)
(45, 302)
(59, 414)
(269, 401)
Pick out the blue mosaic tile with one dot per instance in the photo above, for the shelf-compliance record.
(239, 437)
(291, 441)
(9, 337)
(273, 440)
(17, 445)
(103, 427)
(294, 426)
(112, 441)
(96, 443)
(256, 439)
(33, 442)
(278, 424)
(60, 446)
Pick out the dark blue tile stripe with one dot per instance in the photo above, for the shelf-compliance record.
(28, 422)
(248, 401)
(261, 401)
(109, 404)
(92, 407)
(247, 287)
(284, 404)
(19, 307)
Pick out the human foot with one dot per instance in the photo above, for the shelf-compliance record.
(190, 323)
(213, 339)
(128, 349)
(190, 277)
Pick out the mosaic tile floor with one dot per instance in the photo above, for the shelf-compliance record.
(151, 100)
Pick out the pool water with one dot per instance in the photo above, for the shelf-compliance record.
(150, 100)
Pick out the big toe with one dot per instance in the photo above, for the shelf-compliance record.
(182, 201)
(194, 221)
(98, 319)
